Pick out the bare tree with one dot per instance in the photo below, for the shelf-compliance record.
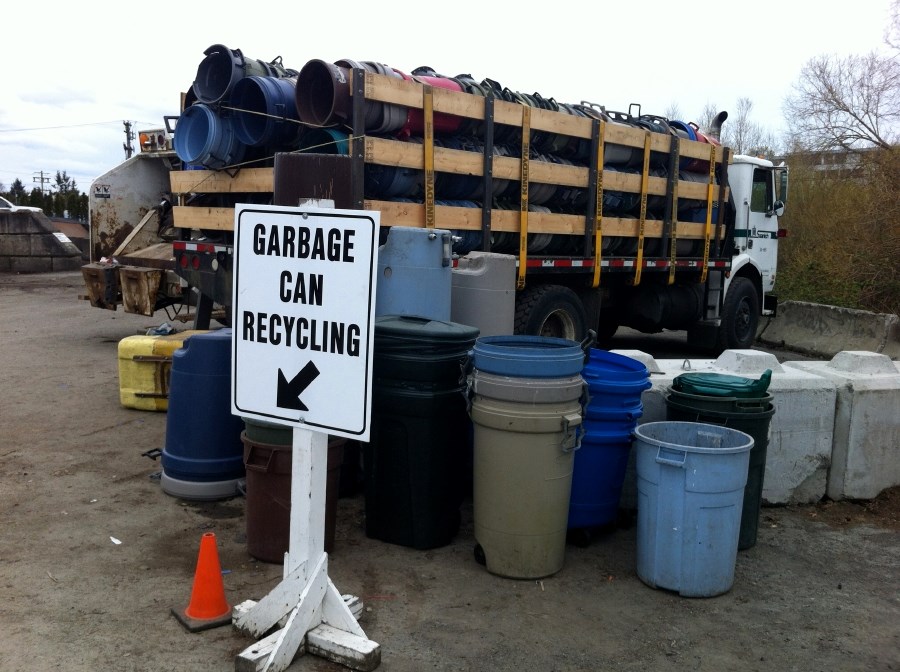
(707, 116)
(673, 112)
(892, 32)
(849, 104)
(740, 132)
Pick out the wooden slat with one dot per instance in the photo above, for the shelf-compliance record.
(409, 93)
(410, 155)
(213, 219)
(450, 217)
(247, 180)
(469, 219)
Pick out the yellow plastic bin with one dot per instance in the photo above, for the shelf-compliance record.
(145, 365)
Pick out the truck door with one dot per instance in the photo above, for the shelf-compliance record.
(761, 241)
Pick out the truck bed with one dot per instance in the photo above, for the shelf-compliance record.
(430, 157)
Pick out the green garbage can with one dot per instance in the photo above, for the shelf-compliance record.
(740, 403)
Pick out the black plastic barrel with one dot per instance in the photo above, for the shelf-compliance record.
(419, 454)
(739, 403)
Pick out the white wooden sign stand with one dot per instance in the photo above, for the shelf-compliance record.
(311, 613)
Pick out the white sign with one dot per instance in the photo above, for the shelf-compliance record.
(303, 312)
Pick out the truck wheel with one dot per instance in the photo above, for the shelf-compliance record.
(740, 316)
(607, 326)
(550, 310)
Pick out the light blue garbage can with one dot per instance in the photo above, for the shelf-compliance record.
(690, 481)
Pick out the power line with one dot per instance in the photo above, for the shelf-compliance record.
(52, 128)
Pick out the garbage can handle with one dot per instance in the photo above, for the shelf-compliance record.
(262, 468)
(674, 458)
(585, 398)
(468, 392)
(572, 432)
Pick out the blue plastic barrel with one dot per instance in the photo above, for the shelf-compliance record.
(615, 384)
(204, 456)
(324, 141)
(222, 68)
(690, 481)
(207, 139)
(598, 475)
(265, 112)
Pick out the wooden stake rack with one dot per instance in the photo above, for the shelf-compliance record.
(427, 156)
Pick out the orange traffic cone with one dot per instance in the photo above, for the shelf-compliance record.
(208, 607)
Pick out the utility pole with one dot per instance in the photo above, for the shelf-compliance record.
(129, 136)
(42, 180)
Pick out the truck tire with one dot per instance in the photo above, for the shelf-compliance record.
(607, 326)
(550, 310)
(740, 316)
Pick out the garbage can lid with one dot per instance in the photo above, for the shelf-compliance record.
(613, 367)
(722, 385)
(404, 330)
(531, 356)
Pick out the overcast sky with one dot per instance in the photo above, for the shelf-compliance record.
(74, 71)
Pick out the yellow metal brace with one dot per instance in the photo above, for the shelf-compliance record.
(523, 200)
(428, 141)
(598, 225)
(645, 178)
(673, 234)
(709, 209)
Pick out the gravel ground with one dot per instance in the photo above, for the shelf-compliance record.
(819, 590)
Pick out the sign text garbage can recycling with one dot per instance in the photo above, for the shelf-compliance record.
(303, 310)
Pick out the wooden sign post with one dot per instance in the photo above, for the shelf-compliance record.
(303, 306)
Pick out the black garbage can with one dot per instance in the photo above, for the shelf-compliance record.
(416, 462)
(740, 403)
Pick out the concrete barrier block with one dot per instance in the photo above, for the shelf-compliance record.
(827, 330)
(69, 263)
(865, 456)
(30, 264)
(800, 431)
(892, 347)
(15, 245)
(52, 245)
(24, 222)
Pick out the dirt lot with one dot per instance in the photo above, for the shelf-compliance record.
(819, 591)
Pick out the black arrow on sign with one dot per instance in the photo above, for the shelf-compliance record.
(289, 391)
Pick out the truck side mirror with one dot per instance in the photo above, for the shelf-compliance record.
(777, 209)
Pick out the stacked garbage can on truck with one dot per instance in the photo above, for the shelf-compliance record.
(612, 218)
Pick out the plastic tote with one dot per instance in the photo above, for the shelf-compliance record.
(690, 480)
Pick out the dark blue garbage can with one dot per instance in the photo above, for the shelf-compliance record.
(204, 456)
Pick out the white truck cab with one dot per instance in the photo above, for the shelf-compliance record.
(758, 194)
